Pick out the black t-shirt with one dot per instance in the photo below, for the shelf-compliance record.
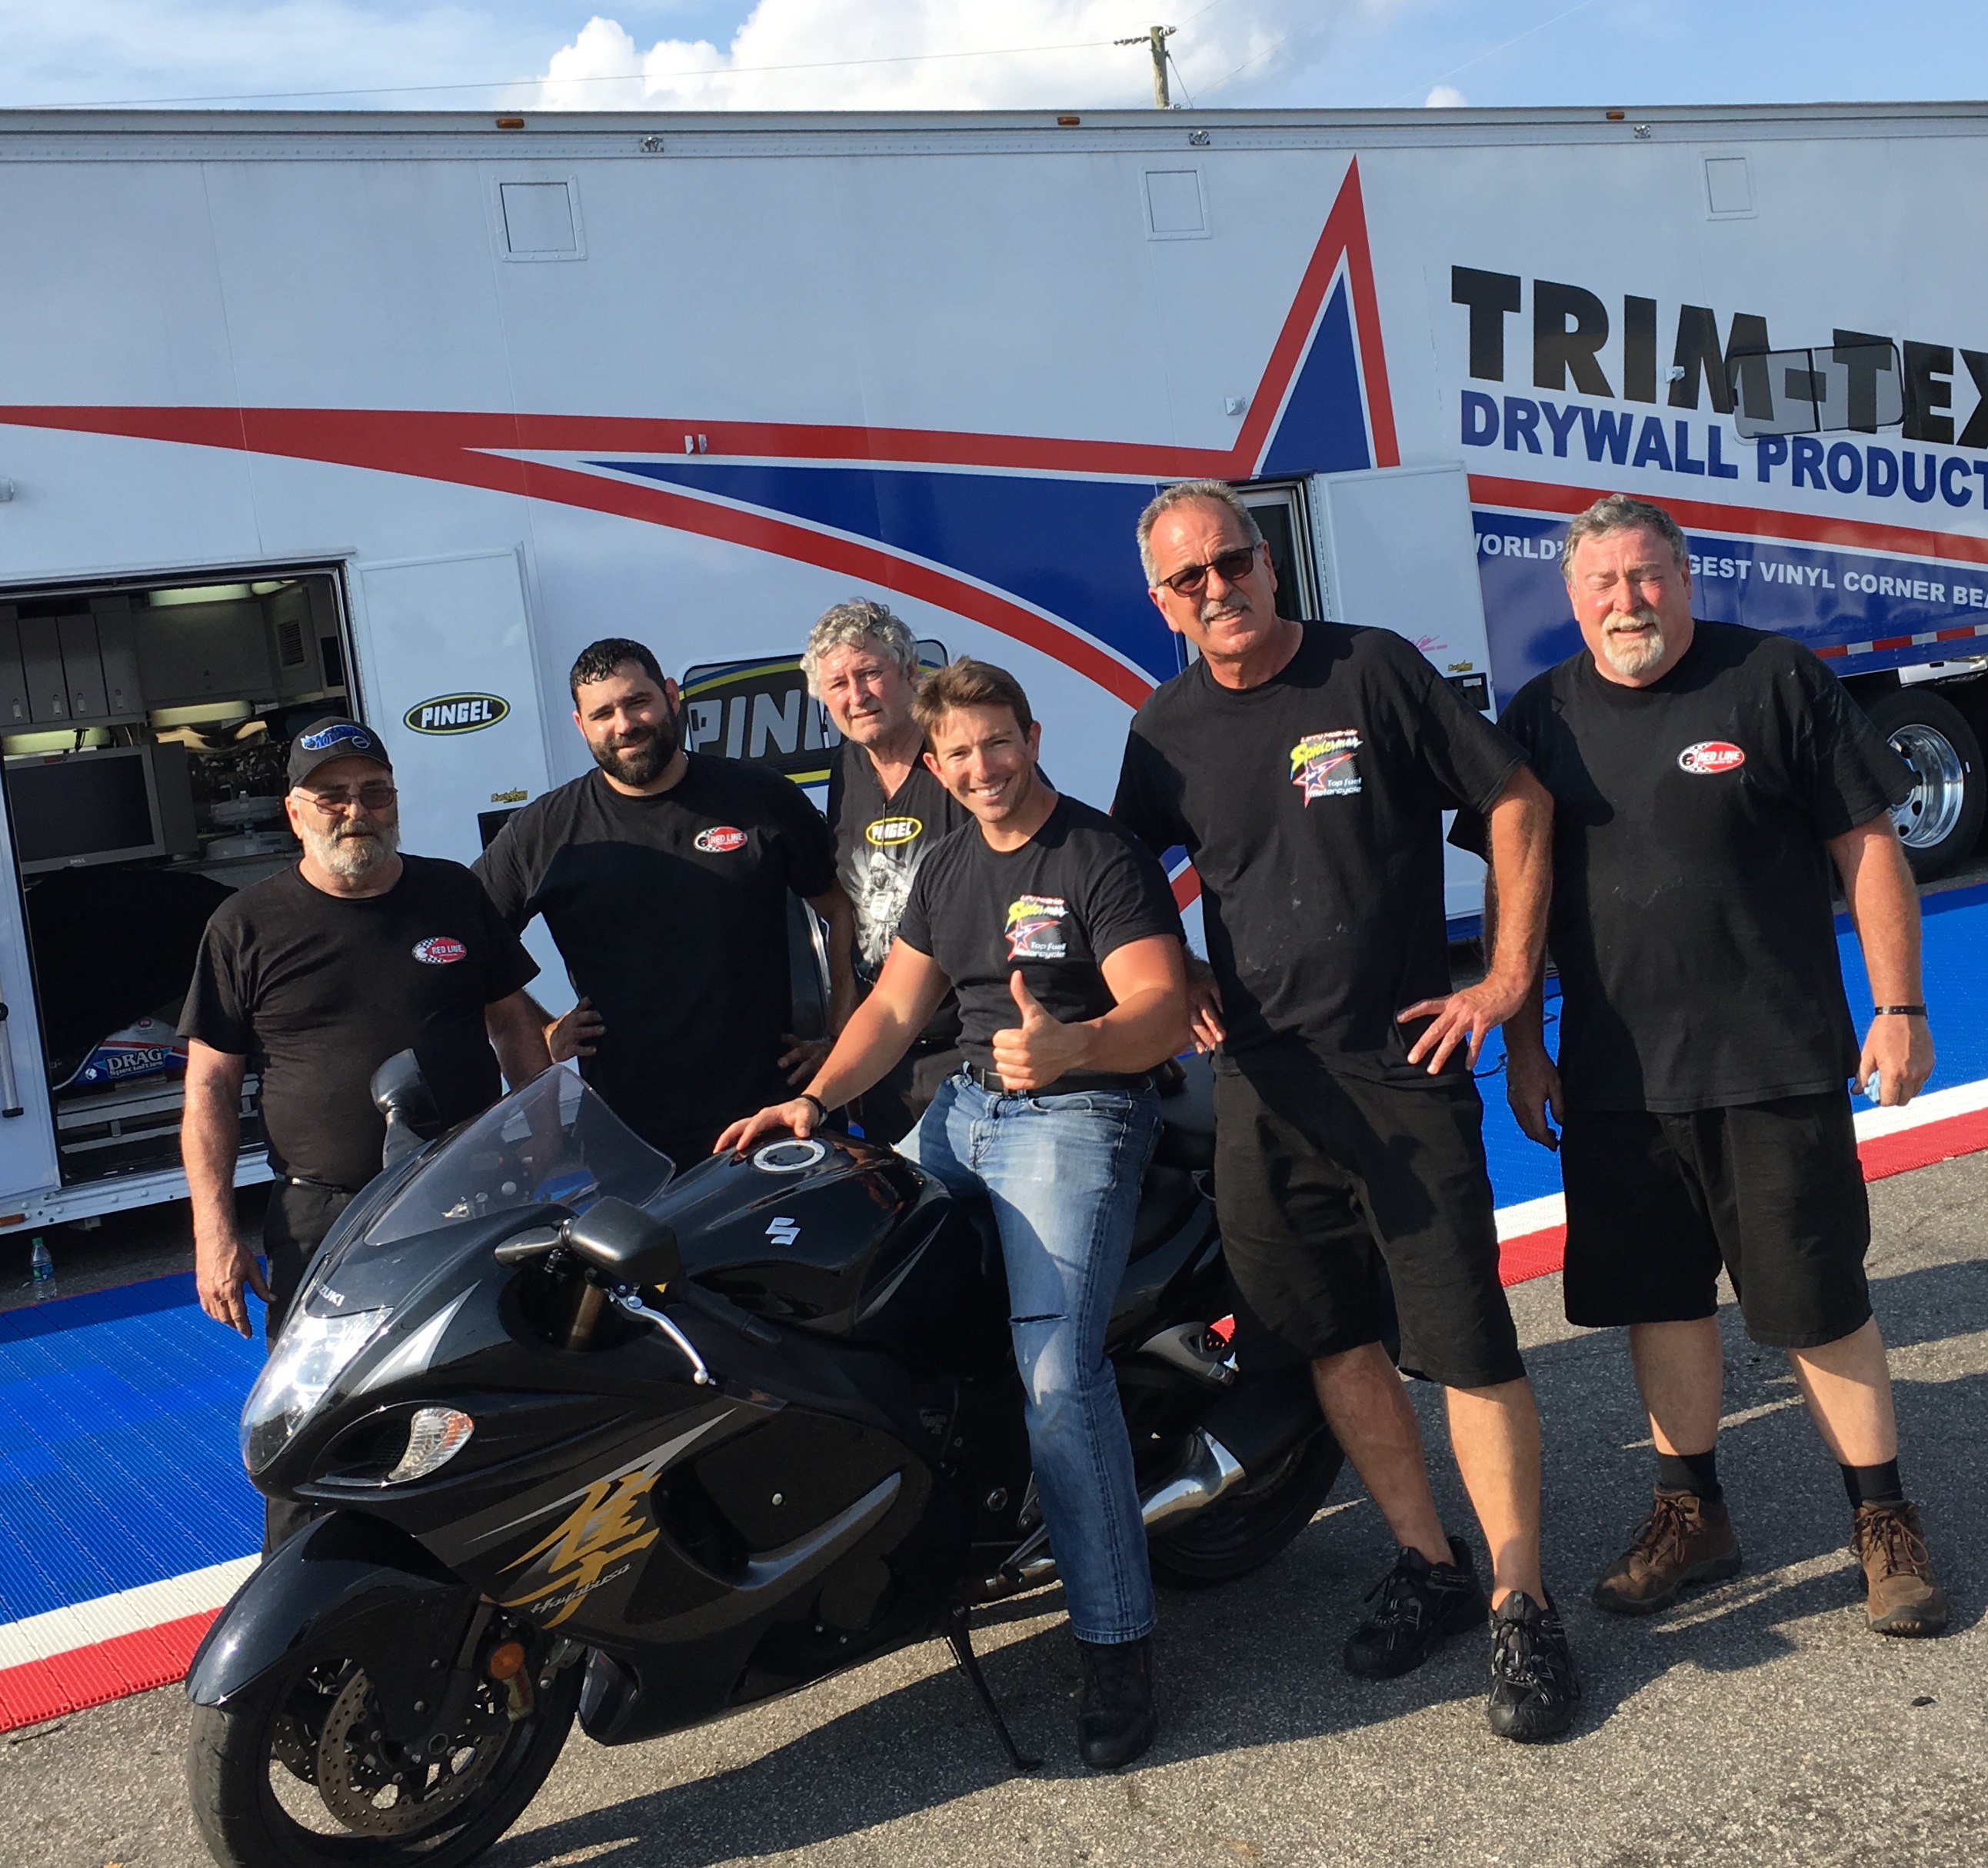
(1312, 807)
(879, 843)
(1075, 892)
(670, 913)
(1691, 919)
(322, 989)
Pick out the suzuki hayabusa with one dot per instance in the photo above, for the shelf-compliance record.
(591, 1436)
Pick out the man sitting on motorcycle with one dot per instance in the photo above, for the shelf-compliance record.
(1060, 934)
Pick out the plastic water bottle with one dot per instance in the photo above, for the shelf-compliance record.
(42, 1272)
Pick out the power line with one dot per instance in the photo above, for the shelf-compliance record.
(1581, 6)
(498, 84)
(1246, 63)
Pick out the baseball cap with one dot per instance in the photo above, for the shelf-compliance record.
(334, 737)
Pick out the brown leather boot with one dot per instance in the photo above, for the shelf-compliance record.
(1686, 1539)
(1902, 1598)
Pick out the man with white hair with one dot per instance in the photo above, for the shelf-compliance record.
(886, 810)
(1707, 779)
(1306, 767)
(323, 973)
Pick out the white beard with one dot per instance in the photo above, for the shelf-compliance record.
(350, 854)
(1634, 658)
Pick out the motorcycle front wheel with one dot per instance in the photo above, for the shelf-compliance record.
(293, 1773)
(1242, 1532)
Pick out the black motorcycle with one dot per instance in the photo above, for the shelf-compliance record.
(593, 1436)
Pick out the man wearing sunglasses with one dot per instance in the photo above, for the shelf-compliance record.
(1305, 767)
(322, 973)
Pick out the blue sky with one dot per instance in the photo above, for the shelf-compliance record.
(661, 54)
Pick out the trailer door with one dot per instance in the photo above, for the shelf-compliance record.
(1395, 549)
(27, 1160)
(446, 661)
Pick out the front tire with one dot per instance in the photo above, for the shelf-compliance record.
(280, 1776)
(1243, 1531)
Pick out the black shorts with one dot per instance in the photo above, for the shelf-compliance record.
(1321, 1181)
(1773, 1191)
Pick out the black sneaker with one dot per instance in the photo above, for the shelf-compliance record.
(1534, 1688)
(1422, 1604)
(1115, 1719)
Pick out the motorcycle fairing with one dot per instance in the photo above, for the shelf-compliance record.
(348, 1576)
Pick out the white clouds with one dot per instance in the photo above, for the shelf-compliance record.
(1444, 97)
(880, 55)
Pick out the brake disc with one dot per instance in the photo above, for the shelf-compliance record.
(377, 1787)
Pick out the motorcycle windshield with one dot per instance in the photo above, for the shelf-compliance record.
(553, 1142)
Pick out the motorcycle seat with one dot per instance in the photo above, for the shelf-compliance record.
(1187, 1118)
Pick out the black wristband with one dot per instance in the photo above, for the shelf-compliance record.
(1899, 1012)
(820, 1108)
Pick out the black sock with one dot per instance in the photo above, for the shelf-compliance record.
(1873, 1485)
(1692, 1472)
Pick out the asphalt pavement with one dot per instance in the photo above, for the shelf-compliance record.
(1758, 1724)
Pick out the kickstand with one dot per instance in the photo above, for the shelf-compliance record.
(959, 1631)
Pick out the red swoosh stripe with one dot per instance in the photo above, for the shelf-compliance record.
(1704, 516)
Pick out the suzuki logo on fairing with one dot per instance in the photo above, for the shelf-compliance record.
(783, 1232)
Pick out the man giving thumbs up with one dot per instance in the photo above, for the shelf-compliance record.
(1060, 934)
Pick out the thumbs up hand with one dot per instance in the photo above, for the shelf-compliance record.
(1033, 1054)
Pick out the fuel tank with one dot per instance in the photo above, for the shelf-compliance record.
(833, 1234)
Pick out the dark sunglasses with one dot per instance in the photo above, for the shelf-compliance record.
(1234, 567)
(376, 797)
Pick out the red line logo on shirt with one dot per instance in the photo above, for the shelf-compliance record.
(719, 839)
(440, 951)
(1710, 757)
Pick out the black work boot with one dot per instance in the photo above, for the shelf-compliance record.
(1115, 1719)
(1422, 1604)
(1534, 1686)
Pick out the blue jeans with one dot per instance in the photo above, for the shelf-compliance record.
(1063, 1174)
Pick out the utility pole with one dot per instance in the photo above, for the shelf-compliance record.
(1156, 37)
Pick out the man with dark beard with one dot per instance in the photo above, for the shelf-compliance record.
(663, 877)
(322, 973)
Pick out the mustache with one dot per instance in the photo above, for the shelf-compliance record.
(1643, 618)
(1219, 609)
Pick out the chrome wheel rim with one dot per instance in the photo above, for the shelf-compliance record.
(1939, 788)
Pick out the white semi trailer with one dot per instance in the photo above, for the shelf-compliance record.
(394, 413)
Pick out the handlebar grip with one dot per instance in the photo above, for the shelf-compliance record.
(722, 1310)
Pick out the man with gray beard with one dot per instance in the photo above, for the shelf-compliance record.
(1707, 780)
(321, 974)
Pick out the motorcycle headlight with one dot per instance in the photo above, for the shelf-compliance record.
(309, 1356)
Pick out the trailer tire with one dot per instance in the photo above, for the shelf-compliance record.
(1939, 822)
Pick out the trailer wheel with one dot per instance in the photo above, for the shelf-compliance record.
(1940, 821)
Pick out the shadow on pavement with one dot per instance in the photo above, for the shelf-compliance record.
(1256, 1663)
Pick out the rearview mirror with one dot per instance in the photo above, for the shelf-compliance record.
(630, 1246)
(401, 1094)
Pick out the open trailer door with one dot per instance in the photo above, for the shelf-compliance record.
(27, 1160)
(448, 666)
(1395, 549)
